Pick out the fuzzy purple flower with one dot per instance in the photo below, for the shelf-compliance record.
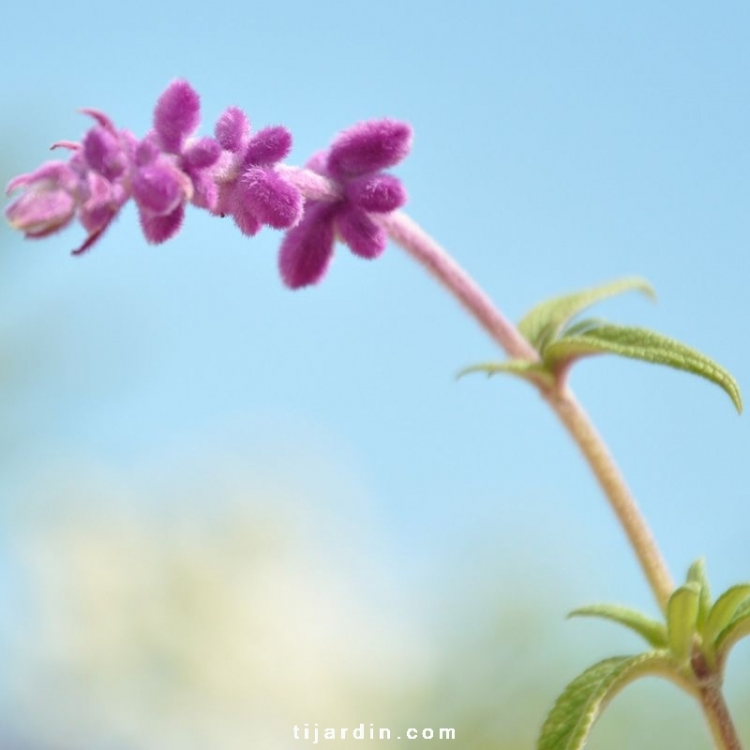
(354, 162)
(91, 184)
(169, 168)
(250, 189)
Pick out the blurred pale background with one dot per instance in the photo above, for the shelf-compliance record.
(227, 509)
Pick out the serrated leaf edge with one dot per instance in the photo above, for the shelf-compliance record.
(631, 668)
(545, 320)
(649, 346)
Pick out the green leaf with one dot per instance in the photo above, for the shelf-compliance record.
(723, 612)
(568, 724)
(682, 618)
(652, 630)
(639, 343)
(522, 368)
(697, 574)
(737, 629)
(545, 321)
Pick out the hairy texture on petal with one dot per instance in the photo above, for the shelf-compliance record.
(50, 174)
(159, 188)
(274, 201)
(268, 146)
(99, 208)
(369, 147)
(146, 151)
(41, 212)
(205, 191)
(100, 118)
(103, 153)
(245, 219)
(232, 128)
(318, 162)
(379, 193)
(202, 154)
(363, 236)
(177, 114)
(158, 229)
(307, 249)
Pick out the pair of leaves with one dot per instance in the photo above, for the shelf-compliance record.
(550, 329)
(692, 621)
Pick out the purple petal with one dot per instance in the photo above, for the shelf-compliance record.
(363, 236)
(41, 212)
(201, 154)
(245, 219)
(275, 202)
(159, 188)
(205, 191)
(318, 163)
(268, 146)
(103, 153)
(307, 249)
(146, 151)
(232, 129)
(176, 115)
(379, 193)
(52, 174)
(100, 206)
(369, 147)
(159, 229)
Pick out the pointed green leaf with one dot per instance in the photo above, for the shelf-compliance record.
(723, 612)
(682, 618)
(652, 630)
(697, 574)
(545, 321)
(568, 724)
(522, 368)
(737, 629)
(639, 343)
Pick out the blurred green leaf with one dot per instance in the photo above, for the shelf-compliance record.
(640, 343)
(682, 618)
(652, 630)
(697, 574)
(724, 611)
(738, 628)
(544, 322)
(533, 371)
(580, 704)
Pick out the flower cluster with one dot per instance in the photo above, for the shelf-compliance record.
(234, 173)
(354, 162)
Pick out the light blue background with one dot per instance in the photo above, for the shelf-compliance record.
(557, 145)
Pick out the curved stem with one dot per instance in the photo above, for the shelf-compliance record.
(610, 479)
(412, 238)
(427, 252)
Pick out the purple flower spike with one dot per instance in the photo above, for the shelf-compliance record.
(354, 162)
